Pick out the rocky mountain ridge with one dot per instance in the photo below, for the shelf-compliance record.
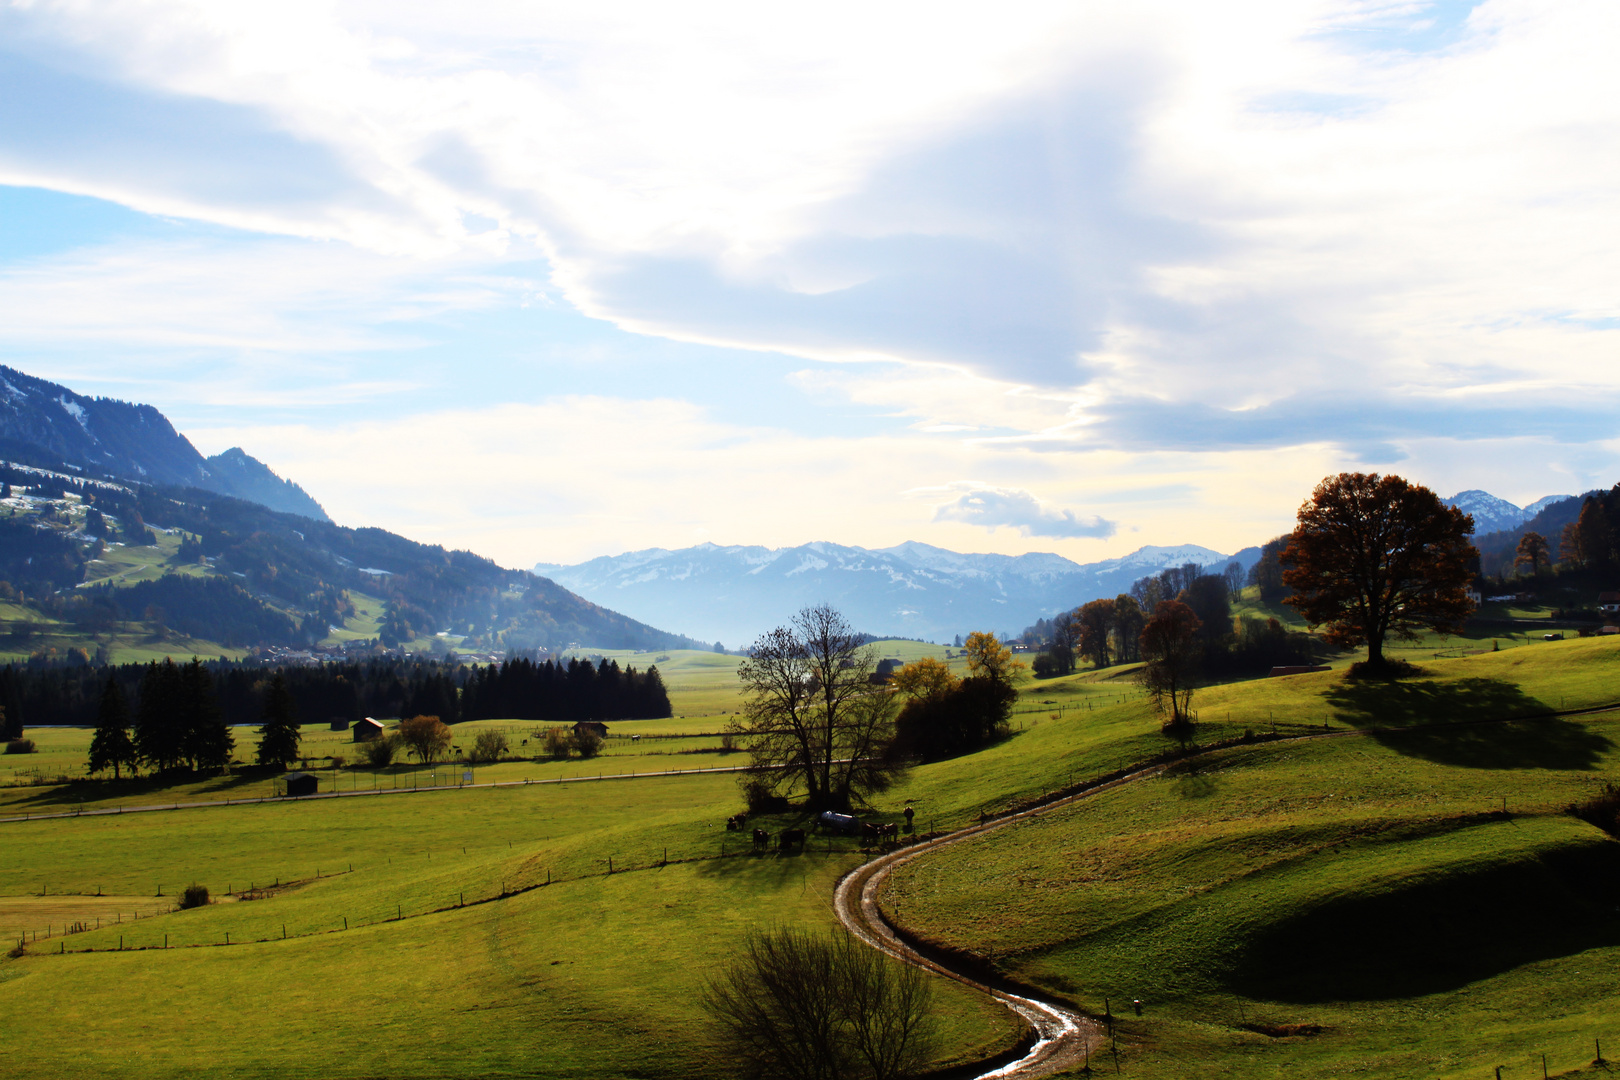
(43, 422)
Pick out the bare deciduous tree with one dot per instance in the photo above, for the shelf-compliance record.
(801, 1006)
(813, 717)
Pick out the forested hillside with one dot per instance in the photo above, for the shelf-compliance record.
(90, 558)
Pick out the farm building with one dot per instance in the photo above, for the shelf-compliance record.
(340, 723)
(301, 783)
(591, 725)
(366, 729)
(1609, 603)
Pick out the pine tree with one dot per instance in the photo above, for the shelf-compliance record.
(112, 744)
(159, 735)
(206, 741)
(278, 737)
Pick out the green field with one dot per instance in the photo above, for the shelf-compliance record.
(1366, 886)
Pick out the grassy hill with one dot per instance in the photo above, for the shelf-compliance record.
(1344, 903)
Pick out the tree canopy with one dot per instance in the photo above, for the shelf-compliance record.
(813, 717)
(1374, 556)
(279, 735)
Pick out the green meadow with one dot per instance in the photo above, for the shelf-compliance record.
(1410, 901)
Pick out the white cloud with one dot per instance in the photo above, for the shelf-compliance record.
(995, 508)
(1139, 244)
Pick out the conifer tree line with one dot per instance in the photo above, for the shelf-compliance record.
(175, 708)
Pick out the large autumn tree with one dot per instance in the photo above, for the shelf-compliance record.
(1375, 556)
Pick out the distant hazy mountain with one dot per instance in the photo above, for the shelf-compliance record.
(733, 594)
(43, 421)
(1492, 514)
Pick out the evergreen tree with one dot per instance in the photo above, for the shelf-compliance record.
(206, 741)
(159, 736)
(112, 744)
(11, 713)
(278, 737)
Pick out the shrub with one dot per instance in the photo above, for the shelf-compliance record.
(381, 750)
(490, 745)
(338, 761)
(195, 896)
(20, 746)
(761, 797)
(559, 743)
(1602, 809)
(587, 742)
(798, 1004)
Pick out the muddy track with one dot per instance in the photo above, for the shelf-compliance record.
(1062, 1034)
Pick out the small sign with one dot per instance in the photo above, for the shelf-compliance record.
(466, 777)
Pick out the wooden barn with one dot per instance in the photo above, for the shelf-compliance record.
(340, 723)
(591, 725)
(301, 783)
(367, 729)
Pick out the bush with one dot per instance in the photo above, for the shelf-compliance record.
(382, 750)
(20, 746)
(799, 1004)
(195, 896)
(761, 797)
(1602, 809)
(490, 745)
(587, 743)
(559, 743)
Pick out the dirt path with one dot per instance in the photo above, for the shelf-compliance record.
(1062, 1035)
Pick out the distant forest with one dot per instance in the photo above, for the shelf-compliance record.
(520, 689)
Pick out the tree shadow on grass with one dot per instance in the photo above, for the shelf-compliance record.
(1438, 935)
(93, 792)
(1442, 722)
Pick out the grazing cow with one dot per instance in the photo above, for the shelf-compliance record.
(735, 822)
(792, 838)
(891, 831)
(871, 830)
(762, 839)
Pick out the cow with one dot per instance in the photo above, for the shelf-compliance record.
(891, 831)
(792, 838)
(735, 822)
(762, 839)
(871, 830)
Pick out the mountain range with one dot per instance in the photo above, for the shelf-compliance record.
(733, 594)
(43, 423)
(1492, 514)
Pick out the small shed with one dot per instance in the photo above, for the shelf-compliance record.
(340, 723)
(591, 725)
(367, 729)
(301, 783)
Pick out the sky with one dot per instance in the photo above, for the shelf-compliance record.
(553, 281)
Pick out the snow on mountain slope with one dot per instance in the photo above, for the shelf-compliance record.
(733, 594)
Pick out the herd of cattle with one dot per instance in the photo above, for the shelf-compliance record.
(793, 839)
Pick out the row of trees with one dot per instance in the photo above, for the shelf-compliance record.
(524, 690)
(177, 724)
(70, 694)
